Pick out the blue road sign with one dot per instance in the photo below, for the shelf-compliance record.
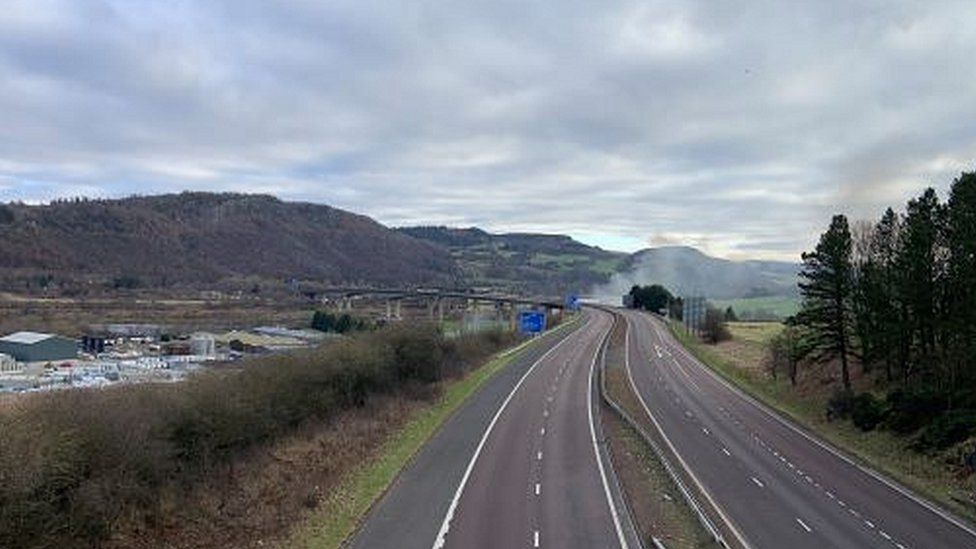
(573, 302)
(532, 322)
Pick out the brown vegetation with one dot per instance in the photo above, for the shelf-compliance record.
(203, 238)
(177, 465)
(74, 317)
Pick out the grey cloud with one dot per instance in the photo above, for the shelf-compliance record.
(739, 127)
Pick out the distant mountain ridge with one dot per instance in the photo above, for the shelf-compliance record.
(222, 241)
(538, 264)
(203, 238)
(687, 271)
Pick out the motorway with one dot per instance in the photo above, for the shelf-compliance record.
(521, 464)
(773, 484)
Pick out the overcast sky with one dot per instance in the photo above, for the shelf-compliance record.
(738, 127)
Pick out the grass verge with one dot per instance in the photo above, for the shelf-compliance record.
(655, 502)
(882, 451)
(340, 515)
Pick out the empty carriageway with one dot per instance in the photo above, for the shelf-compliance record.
(540, 478)
(772, 483)
(521, 464)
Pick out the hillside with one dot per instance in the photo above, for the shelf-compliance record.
(214, 241)
(540, 264)
(199, 239)
(686, 271)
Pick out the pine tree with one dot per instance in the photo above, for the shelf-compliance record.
(884, 247)
(827, 288)
(961, 280)
(919, 264)
(877, 318)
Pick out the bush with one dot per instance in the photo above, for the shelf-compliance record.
(715, 328)
(840, 405)
(337, 323)
(948, 429)
(910, 410)
(73, 463)
(866, 412)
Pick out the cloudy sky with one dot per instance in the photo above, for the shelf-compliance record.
(738, 127)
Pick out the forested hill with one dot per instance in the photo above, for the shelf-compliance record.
(687, 271)
(202, 239)
(238, 241)
(541, 264)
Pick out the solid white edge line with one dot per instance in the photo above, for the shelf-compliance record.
(596, 448)
(630, 377)
(904, 491)
(446, 523)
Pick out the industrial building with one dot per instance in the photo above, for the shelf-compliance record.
(38, 347)
(8, 365)
(203, 345)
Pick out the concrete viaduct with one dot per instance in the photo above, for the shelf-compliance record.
(434, 297)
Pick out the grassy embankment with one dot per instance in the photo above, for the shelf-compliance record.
(339, 517)
(741, 362)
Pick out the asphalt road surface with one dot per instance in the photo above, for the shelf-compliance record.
(776, 485)
(519, 465)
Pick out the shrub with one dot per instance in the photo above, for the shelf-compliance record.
(948, 429)
(715, 328)
(866, 411)
(418, 351)
(910, 410)
(73, 463)
(840, 404)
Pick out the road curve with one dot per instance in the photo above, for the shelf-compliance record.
(776, 485)
(516, 466)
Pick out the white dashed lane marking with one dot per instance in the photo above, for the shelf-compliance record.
(809, 479)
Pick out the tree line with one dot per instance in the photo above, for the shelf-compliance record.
(898, 297)
(658, 299)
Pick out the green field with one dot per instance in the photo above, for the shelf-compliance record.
(755, 332)
(761, 308)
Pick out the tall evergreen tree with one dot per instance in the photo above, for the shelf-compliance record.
(919, 265)
(884, 246)
(961, 291)
(877, 317)
(827, 287)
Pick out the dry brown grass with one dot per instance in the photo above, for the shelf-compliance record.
(256, 500)
(74, 316)
(225, 454)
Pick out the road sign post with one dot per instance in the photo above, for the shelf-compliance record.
(532, 322)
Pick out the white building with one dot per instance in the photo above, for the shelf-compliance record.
(203, 345)
(8, 365)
